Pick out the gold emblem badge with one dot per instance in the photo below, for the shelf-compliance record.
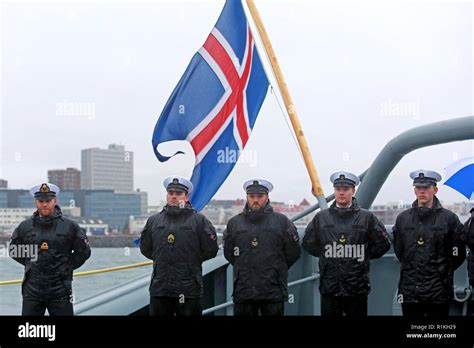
(44, 246)
(170, 238)
(254, 242)
(342, 239)
(44, 188)
(420, 241)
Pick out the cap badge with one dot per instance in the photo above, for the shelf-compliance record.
(44, 188)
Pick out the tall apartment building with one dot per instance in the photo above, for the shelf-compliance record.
(107, 169)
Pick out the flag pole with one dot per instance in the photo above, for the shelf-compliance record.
(317, 189)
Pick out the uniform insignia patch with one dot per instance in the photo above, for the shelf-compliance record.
(420, 241)
(44, 188)
(342, 239)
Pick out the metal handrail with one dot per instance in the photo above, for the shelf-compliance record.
(313, 277)
(467, 292)
(96, 271)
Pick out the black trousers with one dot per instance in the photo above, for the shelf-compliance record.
(423, 309)
(336, 306)
(266, 308)
(37, 307)
(172, 306)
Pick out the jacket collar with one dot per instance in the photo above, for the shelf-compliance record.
(343, 212)
(173, 210)
(424, 211)
(436, 204)
(255, 215)
(47, 221)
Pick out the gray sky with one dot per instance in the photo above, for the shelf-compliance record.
(359, 72)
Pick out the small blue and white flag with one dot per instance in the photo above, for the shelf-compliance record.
(460, 176)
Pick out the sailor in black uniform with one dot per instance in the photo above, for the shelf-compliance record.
(345, 237)
(178, 240)
(261, 245)
(56, 246)
(429, 243)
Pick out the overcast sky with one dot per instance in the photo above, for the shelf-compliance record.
(360, 73)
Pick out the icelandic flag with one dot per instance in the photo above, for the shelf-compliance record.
(460, 176)
(215, 104)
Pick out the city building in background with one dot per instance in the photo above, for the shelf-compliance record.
(93, 227)
(291, 209)
(136, 224)
(66, 179)
(107, 169)
(3, 184)
(387, 213)
(16, 199)
(113, 208)
(462, 209)
(71, 212)
(143, 202)
(10, 218)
